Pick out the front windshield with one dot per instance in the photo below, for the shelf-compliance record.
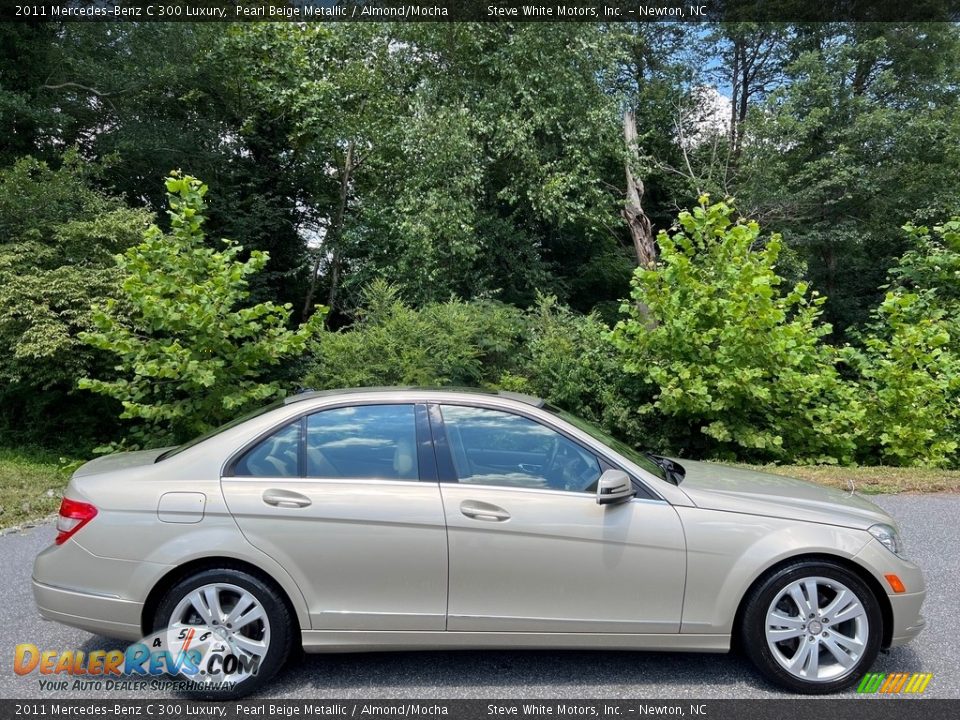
(631, 454)
(216, 431)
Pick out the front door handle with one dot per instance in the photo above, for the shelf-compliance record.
(285, 498)
(483, 511)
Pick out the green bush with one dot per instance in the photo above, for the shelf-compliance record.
(909, 362)
(910, 381)
(732, 364)
(568, 359)
(451, 343)
(190, 353)
(57, 239)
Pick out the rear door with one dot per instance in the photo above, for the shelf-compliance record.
(347, 500)
(530, 548)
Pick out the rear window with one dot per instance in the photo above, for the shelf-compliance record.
(216, 431)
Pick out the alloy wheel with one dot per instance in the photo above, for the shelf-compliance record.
(225, 615)
(817, 629)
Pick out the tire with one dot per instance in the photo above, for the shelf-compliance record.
(819, 654)
(264, 637)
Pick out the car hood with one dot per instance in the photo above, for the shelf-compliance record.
(730, 489)
(119, 461)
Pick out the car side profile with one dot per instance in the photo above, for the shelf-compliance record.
(399, 519)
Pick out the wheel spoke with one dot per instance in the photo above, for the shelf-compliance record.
(787, 634)
(812, 598)
(199, 603)
(844, 597)
(853, 610)
(252, 615)
(800, 658)
(243, 604)
(845, 641)
(811, 668)
(212, 597)
(253, 647)
(779, 620)
(846, 659)
(798, 597)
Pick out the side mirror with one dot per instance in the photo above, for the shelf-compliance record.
(614, 486)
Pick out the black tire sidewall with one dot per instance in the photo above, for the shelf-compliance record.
(275, 608)
(753, 630)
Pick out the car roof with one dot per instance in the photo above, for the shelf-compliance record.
(515, 396)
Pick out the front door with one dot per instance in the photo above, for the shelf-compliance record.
(336, 497)
(530, 548)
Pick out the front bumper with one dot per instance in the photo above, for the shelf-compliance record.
(907, 620)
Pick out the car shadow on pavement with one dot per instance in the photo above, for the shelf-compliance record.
(526, 674)
(519, 673)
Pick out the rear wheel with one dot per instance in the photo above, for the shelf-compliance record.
(237, 625)
(813, 627)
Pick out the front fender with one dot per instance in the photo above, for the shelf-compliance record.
(727, 552)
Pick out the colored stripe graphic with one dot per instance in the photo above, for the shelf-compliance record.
(894, 683)
(871, 682)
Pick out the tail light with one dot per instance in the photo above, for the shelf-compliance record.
(73, 516)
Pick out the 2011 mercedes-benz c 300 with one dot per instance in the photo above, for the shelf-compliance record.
(399, 519)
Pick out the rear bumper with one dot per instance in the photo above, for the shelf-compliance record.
(100, 614)
(102, 595)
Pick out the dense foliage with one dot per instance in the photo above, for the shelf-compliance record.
(452, 197)
(57, 235)
(390, 343)
(731, 360)
(190, 352)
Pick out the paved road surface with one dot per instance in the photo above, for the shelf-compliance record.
(931, 530)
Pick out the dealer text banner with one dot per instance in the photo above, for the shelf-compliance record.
(481, 10)
(613, 709)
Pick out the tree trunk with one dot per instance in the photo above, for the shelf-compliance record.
(332, 240)
(641, 231)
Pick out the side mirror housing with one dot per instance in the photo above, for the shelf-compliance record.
(614, 486)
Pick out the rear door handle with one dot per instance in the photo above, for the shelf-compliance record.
(285, 498)
(483, 511)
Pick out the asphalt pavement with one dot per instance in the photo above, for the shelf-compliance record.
(931, 529)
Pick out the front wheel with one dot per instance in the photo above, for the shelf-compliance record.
(813, 627)
(237, 627)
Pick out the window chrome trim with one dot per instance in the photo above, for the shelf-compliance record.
(228, 467)
(442, 445)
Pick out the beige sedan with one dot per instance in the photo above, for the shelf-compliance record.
(400, 519)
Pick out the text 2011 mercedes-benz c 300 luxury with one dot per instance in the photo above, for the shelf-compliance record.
(396, 519)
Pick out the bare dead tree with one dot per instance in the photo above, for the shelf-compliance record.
(641, 230)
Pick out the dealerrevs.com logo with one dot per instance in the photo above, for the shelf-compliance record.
(894, 683)
(198, 654)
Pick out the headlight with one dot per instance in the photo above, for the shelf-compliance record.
(888, 535)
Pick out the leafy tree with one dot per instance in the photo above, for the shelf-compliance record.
(732, 364)
(909, 378)
(568, 359)
(452, 343)
(909, 361)
(469, 160)
(862, 137)
(190, 351)
(933, 264)
(57, 238)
